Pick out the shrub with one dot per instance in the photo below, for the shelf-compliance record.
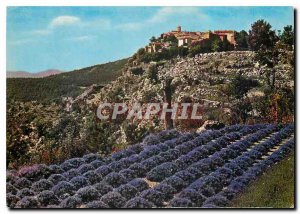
(47, 197)
(168, 134)
(149, 151)
(97, 163)
(139, 169)
(193, 195)
(84, 168)
(11, 200)
(185, 175)
(56, 178)
(62, 188)
(114, 179)
(195, 171)
(103, 171)
(207, 191)
(176, 182)
(139, 184)
(163, 147)
(152, 162)
(139, 202)
(71, 173)
(79, 182)
(41, 185)
(55, 169)
(154, 196)
(27, 202)
(90, 157)
(71, 202)
(103, 188)
(134, 158)
(92, 177)
(11, 189)
(218, 200)
(151, 139)
(181, 202)
(186, 159)
(73, 163)
(183, 149)
(114, 200)
(128, 174)
(35, 172)
(127, 191)
(229, 194)
(88, 193)
(162, 171)
(96, 205)
(167, 190)
(22, 183)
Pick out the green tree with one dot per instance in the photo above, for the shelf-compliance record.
(261, 36)
(241, 85)
(287, 36)
(216, 44)
(152, 39)
(242, 39)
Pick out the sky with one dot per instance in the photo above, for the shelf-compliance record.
(68, 38)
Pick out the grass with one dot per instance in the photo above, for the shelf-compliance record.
(274, 189)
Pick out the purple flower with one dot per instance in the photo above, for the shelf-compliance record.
(139, 184)
(56, 178)
(88, 193)
(79, 182)
(139, 202)
(25, 192)
(71, 202)
(162, 171)
(154, 196)
(127, 191)
(96, 205)
(27, 202)
(114, 179)
(62, 188)
(103, 188)
(47, 197)
(92, 177)
(84, 168)
(193, 195)
(41, 185)
(114, 200)
(181, 202)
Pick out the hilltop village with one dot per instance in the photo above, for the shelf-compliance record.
(187, 39)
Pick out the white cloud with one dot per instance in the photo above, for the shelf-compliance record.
(41, 32)
(82, 38)
(63, 21)
(19, 42)
(166, 14)
(129, 26)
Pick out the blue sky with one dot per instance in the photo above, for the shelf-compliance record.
(67, 38)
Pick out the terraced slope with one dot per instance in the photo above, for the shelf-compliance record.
(170, 169)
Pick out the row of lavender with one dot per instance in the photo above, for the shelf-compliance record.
(168, 169)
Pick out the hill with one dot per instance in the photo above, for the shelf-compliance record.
(169, 169)
(25, 74)
(53, 88)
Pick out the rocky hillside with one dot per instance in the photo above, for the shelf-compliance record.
(232, 86)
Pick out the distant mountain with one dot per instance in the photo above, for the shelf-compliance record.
(65, 84)
(25, 74)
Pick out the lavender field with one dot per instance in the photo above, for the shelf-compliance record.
(168, 169)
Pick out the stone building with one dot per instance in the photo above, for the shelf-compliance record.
(186, 38)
